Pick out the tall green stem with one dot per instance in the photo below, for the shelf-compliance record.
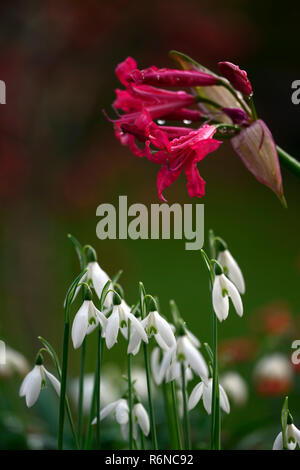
(129, 394)
(169, 415)
(81, 392)
(176, 417)
(216, 415)
(186, 420)
(98, 383)
(148, 376)
(63, 383)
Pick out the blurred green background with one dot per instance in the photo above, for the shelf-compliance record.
(59, 160)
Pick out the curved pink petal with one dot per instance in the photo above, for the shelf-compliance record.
(165, 178)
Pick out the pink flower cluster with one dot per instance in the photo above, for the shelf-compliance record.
(210, 101)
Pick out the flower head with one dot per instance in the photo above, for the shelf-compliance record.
(154, 325)
(118, 320)
(223, 289)
(85, 321)
(121, 411)
(293, 438)
(204, 390)
(34, 381)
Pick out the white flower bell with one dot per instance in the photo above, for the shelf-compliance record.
(35, 380)
(223, 289)
(204, 390)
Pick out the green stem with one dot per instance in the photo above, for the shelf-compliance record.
(169, 415)
(81, 392)
(147, 370)
(129, 394)
(91, 416)
(215, 422)
(63, 383)
(97, 383)
(288, 161)
(186, 420)
(176, 416)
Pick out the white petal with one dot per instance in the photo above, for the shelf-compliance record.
(291, 438)
(234, 273)
(207, 395)
(220, 303)
(136, 325)
(296, 432)
(161, 343)
(224, 402)
(195, 395)
(112, 328)
(24, 384)
(165, 364)
(164, 329)
(134, 343)
(99, 278)
(122, 411)
(107, 410)
(195, 359)
(33, 386)
(55, 383)
(278, 443)
(142, 418)
(125, 431)
(155, 365)
(80, 324)
(193, 339)
(235, 297)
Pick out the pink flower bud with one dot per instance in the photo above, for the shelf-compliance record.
(172, 77)
(257, 149)
(237, 77)
(237, 115)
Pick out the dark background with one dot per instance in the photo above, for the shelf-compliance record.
(59, 160)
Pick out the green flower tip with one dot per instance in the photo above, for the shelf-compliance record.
(119, 290)
(117, 299)
(218, 268)
(39, 359)
(91, 254)
(220, 244)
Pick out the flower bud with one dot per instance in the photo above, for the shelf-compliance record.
(237, 77)
(91, 254)
(257, 149)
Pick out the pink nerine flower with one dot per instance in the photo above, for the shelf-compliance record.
(181, 154)
(237, 77)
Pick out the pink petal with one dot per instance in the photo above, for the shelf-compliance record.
(124, 69)
(165, 178)
(195, 184)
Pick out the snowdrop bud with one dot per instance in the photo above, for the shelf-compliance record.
(218, 268)
(119, 290)
(220, 244)
(39, 359)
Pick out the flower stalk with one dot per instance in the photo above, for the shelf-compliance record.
(186, 420)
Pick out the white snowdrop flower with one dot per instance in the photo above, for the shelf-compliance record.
(85, 321)
(118, 320)
(223, 288)
(140, 417)
(235, 387)
(154, 325)
(14, 362)
(182, 352)
(232, 269)
(173, 372)
(293, 438)
(204, 390)
(96, 276)
(34, 381)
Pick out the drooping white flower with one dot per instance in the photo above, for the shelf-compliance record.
(120, 409)
(85, 321)
(182, 352)
(118, 320)
(223, 288)
(34, 381)
(99, 278)
(204, 390)
(235, 387)
(173, 372)
(154, 325)
(293, 438)
(232, 270)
